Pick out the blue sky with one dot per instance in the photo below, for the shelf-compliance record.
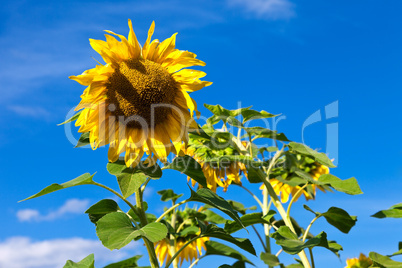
(287, 57)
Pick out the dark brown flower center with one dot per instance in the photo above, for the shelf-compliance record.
(140, 92)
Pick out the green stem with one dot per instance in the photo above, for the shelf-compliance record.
(143, 219)
(294, 197)
(253, 195)
(172, 238)
(178, 252)
(309, 227)
(277, 203)
(196, 261)
(265, 210)
(259, 237)
(122, 198)
(311, 257)
(170, 209)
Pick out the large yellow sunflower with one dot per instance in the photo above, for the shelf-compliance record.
(284, 190)
(189, 253)
(138, 102)
(361, 262)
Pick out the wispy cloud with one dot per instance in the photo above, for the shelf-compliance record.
(30, 111)
(23, 252)
(267, 9)
(71, 206)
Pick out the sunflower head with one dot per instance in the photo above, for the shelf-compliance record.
(362, 262)
(218, 174)
(184, 219)
(138, 101)
(286, 171)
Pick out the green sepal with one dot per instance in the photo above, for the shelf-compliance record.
(72, 118)
(83, 140)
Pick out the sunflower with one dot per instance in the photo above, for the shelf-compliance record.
(361, 262)
(138, 102)
(191, 252)
(284, 190)
(217, 175)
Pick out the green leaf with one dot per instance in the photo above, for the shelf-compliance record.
(253, 174)
(238, 264)
(349, 186)
(191, 230)
(239, 207)
(393, 212)
(269, 259)
(252, 114)
(292, 245)
(337, 217)
(260, 132)
(81, 180)
(187, 165)
(100, 209)
(83, 140)
(213, 217)
(214, 231)
(384, 261)
(130, 179)
(216, 248)
(115, 230)
(334, 247)
(247, 220)
(128, 263)
(73, 118)
(119, 167)
(340, 219)
(87, 262)
(305, 150)
(267, 217)
(168, 194)
(206, 196)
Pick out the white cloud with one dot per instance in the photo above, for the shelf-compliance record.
(71, 206)
(22, 252)
(29, 111)
(269, 9)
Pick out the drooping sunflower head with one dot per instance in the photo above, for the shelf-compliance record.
(287, 171)
(138, 101)
(185, 220)
(362, 262)
(217, 174)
